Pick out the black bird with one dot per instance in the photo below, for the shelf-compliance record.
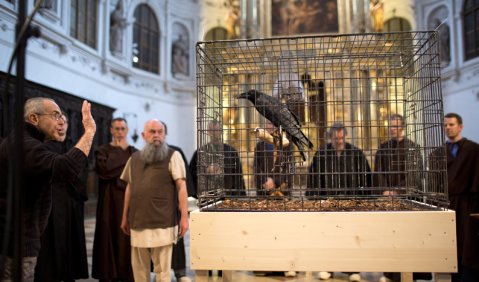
(280, 116)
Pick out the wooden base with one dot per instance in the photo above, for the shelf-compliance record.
(423, 241)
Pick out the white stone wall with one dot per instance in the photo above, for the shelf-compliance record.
(61, 62)
(460, 79)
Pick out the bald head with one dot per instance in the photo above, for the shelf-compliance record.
(154, 132)
(45, 115)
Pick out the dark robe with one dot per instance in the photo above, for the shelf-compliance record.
(42, 167)
(463, 191)
(233, 183)
(280, 170)
(178, 259)
(399, 166)
(332, 175)
(111, 247)
(63, 255)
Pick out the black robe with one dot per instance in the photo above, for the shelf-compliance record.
(63, 255)
(178, 259)
(233, 182)
(111, 247)
(42, 167)
(332, 175)
(399, 166)
(463, 191)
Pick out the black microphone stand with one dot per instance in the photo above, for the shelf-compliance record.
(16, 190)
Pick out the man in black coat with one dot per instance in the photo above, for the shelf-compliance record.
(41, 167)
(63, 255)
(223, 169)
(463, 190)
(398, 164)
(395, 159)
(339, 168)
(222, 160)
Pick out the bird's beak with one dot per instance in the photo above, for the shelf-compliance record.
(243, 96)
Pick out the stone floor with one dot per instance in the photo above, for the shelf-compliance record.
(240, 276)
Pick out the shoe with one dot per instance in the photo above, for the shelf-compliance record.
(259, 273)
(183, 279)
(324, 275)
(383, 279)
(355, 277)
(290, 274)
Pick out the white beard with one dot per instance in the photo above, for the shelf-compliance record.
(152, 153)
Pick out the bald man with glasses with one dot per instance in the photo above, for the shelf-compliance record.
(43, 121)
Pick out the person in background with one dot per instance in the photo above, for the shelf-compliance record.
(272, 163)
(229, 176)
(111, 247)
(393, 156)
(156, 190)
(63, 255)
(43, 119)
(339, 168)
(463, 190)
(178, 259)
(392, 175)
(232, 171)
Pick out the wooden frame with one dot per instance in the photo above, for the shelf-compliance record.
(390, 241)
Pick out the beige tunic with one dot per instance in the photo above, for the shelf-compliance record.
(151, 238)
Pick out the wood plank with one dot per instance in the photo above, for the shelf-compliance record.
(314, 241)
(406, 277)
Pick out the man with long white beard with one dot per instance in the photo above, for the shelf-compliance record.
(156, 190)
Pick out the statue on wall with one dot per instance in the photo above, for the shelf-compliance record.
(180, 58)
(49, 4)
(444, 40)
(117, 25)
(376, 10)
(232, 20)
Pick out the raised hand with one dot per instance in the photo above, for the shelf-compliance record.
(87, 119)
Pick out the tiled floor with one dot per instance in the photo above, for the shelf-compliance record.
(240, 276)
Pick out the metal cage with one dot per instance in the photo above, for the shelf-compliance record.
(306, 123)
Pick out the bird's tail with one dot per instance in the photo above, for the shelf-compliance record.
(305, 140)
(301, 148)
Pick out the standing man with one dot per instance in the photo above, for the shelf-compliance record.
(233, 183)
(392, 157)
(63, 255)
(111, 247)
(392, 173)
(156, 190)
(339, 168)
(43, 119)
(463, 189)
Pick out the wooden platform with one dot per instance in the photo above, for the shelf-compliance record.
(390, 241)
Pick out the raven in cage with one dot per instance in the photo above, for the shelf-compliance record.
(280, 116)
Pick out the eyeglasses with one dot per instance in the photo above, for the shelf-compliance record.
(56, 116)
(119, 128)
